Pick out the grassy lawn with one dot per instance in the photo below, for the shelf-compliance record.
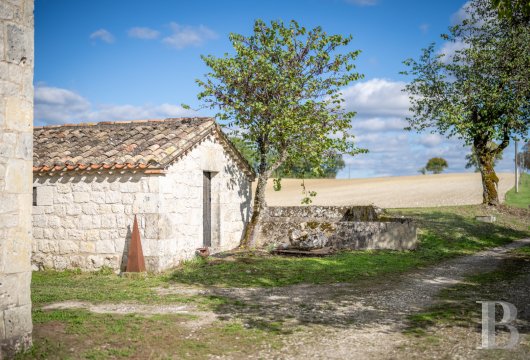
(78, 334)
(444, 232)
(522, 198)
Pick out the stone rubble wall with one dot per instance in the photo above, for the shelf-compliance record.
(85, 220)
(339, 227)
(16, 124)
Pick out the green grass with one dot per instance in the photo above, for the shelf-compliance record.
(522, 198)
(78, 334)
(444, 233)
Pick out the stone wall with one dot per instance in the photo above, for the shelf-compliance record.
(84, 220)
(16, 124)
(339, 227)
(181, 221)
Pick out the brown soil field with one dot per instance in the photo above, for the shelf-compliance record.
(390, 192)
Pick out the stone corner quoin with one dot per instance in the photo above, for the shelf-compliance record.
(16, 125)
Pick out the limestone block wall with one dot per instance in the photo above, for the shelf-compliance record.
(339, 227)
(16, 124)
(85, 220)
(181, 212)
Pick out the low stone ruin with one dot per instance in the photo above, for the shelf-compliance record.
(309, 228)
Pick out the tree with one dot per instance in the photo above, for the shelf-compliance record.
(473, 162)
(480, 93)
(436, 165)
(281, 91)
(331, 164)
(508, 9)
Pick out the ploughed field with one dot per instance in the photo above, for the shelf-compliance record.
(390, 192)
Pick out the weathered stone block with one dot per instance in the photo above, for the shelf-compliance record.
(68, 247)
(81, 197)
(17, 320)
(44, 195)
(19, 114)
(18, 50)
(66, 198)
(92, 209)
(112, 197)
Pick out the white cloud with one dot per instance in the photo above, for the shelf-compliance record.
(379, 127)
(60, 106)
(461, 14)
(103, 35)
(362, 2)
(377, 97)
(143, 33)
(449, 49)
(184, 35)
(431, 140)
(378, 124)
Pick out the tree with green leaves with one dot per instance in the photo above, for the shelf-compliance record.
(509, 9)
(480, 93)
(328, 168)
(436, 165)
(280, 91)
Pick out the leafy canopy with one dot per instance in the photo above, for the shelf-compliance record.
(436, 165)
(280, 91)
(480, 92)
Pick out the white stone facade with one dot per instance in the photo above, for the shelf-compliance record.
(84, 220)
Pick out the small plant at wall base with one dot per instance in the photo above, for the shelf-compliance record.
(436, 165)
(281, 91)
(479, 93)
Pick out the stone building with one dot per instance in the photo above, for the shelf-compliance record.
(185, 181)
(16, 123)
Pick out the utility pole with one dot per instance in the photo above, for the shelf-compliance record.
(516, 170)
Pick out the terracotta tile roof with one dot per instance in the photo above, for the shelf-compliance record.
(148, 145)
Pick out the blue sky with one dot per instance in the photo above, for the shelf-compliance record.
(121, 60)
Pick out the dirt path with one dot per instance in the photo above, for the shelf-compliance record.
(345, 321)
(390, 192)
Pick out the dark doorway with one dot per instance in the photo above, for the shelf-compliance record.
(207, 209)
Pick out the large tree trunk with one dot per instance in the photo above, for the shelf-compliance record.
(490, 181)
(249, 237)
(264, 173)
(486, 152)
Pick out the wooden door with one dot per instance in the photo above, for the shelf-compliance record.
(207, 209)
